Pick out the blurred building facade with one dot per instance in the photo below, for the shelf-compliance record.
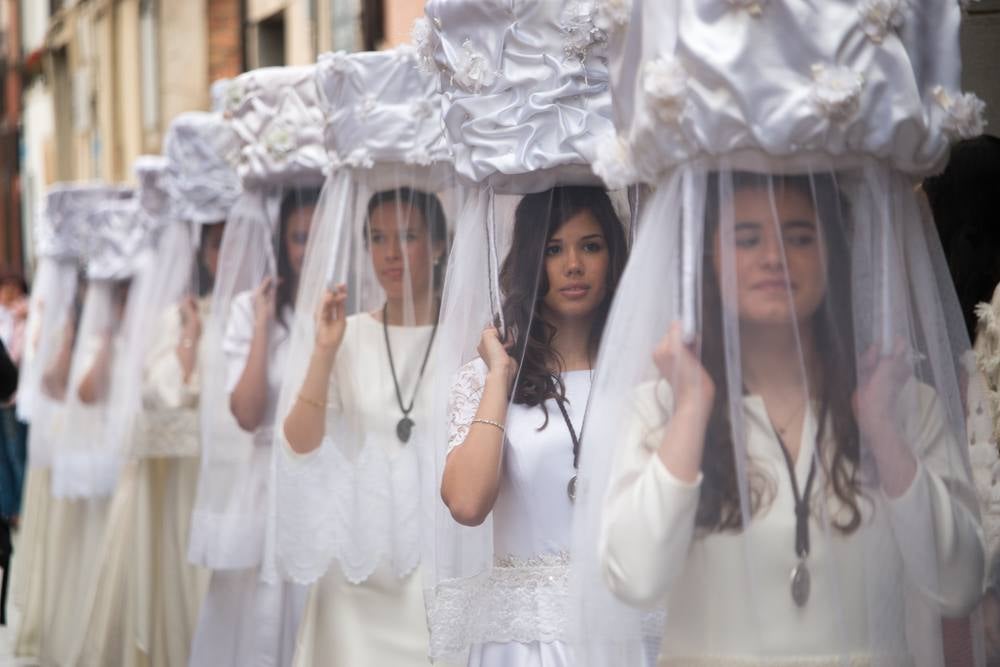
(11, 240)
(98, 81)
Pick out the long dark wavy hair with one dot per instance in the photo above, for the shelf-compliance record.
(833, 328)
(292, 201)
(524, 284)
(206, 278)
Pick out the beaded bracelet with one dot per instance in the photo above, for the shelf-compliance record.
(313, 402)
(491, 423)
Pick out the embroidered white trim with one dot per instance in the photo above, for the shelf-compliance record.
(856, 660)
(518, 600)
(365, 511)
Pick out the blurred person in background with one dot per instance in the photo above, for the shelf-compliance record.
(13, 433)
(8, 386)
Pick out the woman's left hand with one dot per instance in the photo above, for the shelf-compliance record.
(880, 380)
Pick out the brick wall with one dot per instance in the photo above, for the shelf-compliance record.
(225, 39)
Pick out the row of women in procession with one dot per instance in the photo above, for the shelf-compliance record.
(578, 333)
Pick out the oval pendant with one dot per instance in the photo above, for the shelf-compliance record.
(403, 429)
(571, 489)
(800, 584)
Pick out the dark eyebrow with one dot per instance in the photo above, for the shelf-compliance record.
(747, 226)
(593, 236)
(800, 223)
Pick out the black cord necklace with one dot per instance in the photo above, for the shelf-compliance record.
(404, 427)
(800, 580)
(561, 402)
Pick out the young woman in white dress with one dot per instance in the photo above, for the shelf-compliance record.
(854, 506)
(370, 375)
(243, 620)
(516, 414)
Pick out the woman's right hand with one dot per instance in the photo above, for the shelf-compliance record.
(190, 320)
(691, 384)
(263, 301)
(494, 352)
(331, 318)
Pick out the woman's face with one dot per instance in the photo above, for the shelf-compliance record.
(778, 255)
(402, 249)
(297, 237)
(576, 265)
(211, 241)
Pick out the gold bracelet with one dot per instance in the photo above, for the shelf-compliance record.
(312, 401)
(490, 422)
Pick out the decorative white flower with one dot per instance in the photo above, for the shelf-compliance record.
(418, 155)
(359, 158)
(964, 118)
(423, 39)
(366, 106)
(280, 140)
(612, 162)
(879, 17)
(472, 71)
(234, 96)
(612, 14)
(336, 61)
(580, 34)
(422, 108)
(753, 7)
(836, 91)
(665, 83)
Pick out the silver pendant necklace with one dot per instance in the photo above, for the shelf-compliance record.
(404, 427)
(560, 401)
(800, 581)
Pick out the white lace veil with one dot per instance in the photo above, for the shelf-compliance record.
(160, 279)
(525, 95)
(786, 295)
(273, 117)
(90, 452)
(390, 192)
(61, 241)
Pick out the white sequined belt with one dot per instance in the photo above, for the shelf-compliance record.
(850, 660)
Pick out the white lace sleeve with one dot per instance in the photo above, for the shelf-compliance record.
(463, 400)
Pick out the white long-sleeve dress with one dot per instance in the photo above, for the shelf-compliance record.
(368, 608)
(149, 595)
(523, 607)
(243, 621)
(861, 608)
